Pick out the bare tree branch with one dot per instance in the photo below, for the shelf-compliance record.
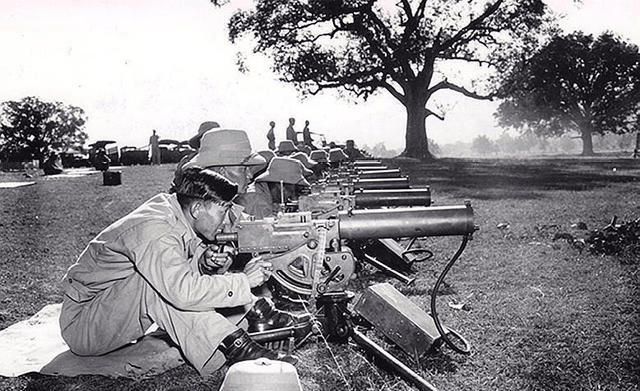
(399, 96)
(446, 85)
(472, 25)
(429, 112)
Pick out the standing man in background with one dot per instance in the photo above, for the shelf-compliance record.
(155, 148)
(291, 133)
(306, 136)
(271, 137)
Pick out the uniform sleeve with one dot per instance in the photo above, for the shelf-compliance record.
(163, 263)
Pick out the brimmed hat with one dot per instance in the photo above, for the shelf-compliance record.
(337, 155)
(305, 148)
(259, 168)
(308, 163)
(319, 156)
(286, 170)
(267, 155)
(225, 147)
(286, 146)
(194, 142)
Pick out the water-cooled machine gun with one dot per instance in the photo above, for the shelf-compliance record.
(385, 253)
(328, 202)
(309, 256)
(310, 260)
(361, 175)
(367, 184)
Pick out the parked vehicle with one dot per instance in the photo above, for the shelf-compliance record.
(131, 155)
(112, 151)
(169, 152)
(74, 158)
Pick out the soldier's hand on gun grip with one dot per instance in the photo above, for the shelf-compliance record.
(215, 261)
(258, 271)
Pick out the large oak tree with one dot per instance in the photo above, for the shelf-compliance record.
(404, 47)
(30, 128)
(575, 83)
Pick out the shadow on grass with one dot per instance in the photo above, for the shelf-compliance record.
(520, 179)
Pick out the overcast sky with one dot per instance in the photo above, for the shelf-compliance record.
(134, 66)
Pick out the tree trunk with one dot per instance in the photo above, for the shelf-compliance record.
(587, 142)
(636, 150)
(416, 143)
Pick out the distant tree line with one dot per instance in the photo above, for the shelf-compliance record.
(575, 84)
(31, 128)
(522, 145)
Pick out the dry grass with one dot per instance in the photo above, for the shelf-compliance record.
(542, 315)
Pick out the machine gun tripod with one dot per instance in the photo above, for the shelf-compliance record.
(380, 308)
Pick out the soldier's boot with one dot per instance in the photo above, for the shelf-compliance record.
(238, 346)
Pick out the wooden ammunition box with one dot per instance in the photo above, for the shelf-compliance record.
(399, 319)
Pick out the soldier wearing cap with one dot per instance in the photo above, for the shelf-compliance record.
(228, 153)
(283, 182)
(144, 269)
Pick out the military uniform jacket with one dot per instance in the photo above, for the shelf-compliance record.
(156, 241)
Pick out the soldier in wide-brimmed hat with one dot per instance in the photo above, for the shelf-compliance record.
(321, 157)
(283, 181)
(309, 164)
(286, 148)
(267, 155)
(228, 152)
(194, 142)
(337, 156)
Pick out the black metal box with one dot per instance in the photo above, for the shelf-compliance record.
(399, 319)
(111, 178)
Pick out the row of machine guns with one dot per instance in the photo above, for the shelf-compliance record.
(358, 212)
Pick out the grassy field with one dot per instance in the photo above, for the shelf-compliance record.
(540, 314)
